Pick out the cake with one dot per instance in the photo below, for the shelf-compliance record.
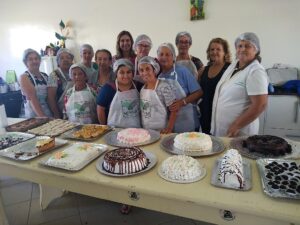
(231, 173)
(133, 136)
(267, 145)
(45, 144)
(191, 142)
(74, 156)
(125, 160)
(181, 168)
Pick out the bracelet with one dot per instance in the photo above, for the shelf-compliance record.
(184, 102)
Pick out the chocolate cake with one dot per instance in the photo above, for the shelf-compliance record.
(126, 160)
(267, 145)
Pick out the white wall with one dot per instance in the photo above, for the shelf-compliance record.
(32, 23)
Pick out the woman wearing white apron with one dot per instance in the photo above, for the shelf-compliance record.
(118, 105)
(242, 93)
(34, 86)
(183, 43)
(156, 96)
(80, 100)
(187, 89)
(59, 82)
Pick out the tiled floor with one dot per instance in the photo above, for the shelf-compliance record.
(21, 204)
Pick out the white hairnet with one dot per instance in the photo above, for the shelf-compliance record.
(142, 38)
(152, 62)
(122, 62)
(63, 50)
(170, 47)
(183, 33)
(251, 37)
(86, 46)
(77, 65)
(27, 52)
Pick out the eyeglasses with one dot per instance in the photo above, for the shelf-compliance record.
(184, 42)
(144, 46)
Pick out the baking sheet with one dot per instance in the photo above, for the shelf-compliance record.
(27, 124)
(293, 175)
(27, 150)
(247, 176)
(167, 144)
(17, 137)
(100, 147)
(237, 143)
(53, 128)
(150, 156)
(70, 134)
(111, 139)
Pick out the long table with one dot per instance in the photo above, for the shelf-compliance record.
(199, 200)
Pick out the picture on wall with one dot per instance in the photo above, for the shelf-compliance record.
(197, 9)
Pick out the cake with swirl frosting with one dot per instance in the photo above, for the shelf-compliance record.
(192, 142)
(133, 136)
(181, 168)
(125, 160)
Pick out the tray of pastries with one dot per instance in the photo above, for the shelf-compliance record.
(280, 177)
(13, 138)
(27, 124)
(53, 128)
(87, 132)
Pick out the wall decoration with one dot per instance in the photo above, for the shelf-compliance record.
(197, 9)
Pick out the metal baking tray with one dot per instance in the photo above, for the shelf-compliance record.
(27, 150)
(70, 134)
(289, 175)
(27, 124)
(247, 176)
(18, 138)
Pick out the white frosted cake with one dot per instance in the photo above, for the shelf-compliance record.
(192, 142)
(74, 156)
(132, 136)
(181, 168)
(231, 172)
(126, 160)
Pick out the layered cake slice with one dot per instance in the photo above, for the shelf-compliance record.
(45, 144)
(231, 173)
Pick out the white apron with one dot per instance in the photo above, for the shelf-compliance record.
(81, 106)
(124, 110)
(41, 93)
(185, 119)
(69, 84)
(154, 114)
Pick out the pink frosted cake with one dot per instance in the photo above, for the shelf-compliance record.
(133, 136)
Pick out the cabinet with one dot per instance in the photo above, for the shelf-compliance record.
(282, 116)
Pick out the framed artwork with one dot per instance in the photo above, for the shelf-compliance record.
(197, 9)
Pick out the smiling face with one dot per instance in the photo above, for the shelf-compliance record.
(147, 73)
(124, 75)
(86, 56)
(183, 45)
(142, 49)
(125, 43)
(165, 58)
(245, 52)
(103, 60)
(33, 61)
(216, 52)
(78, 76)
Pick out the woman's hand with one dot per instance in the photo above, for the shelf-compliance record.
(233, 131)
(176, 106)
(167, 130)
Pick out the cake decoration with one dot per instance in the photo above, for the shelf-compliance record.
(191, 142)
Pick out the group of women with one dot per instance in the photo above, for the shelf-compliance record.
(132, 89)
